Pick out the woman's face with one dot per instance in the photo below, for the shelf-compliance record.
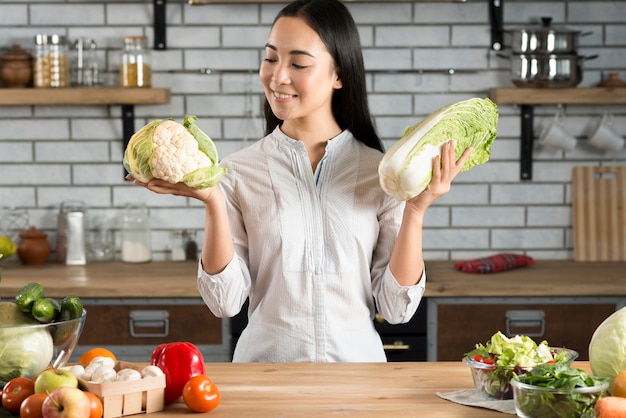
(298, 72)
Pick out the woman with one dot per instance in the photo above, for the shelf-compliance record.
(299, 224)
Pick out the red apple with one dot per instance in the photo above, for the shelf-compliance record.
(66, 402)
(51, 379)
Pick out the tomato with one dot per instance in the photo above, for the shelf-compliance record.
(14, 393)
(180, 361)
(200, 394)
(97, 409)
(485, 360)
(31, 407)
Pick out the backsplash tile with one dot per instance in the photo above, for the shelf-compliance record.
(53, 153)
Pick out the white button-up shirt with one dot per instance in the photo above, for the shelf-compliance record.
(311, 252)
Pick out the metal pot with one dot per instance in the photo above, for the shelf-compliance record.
(546, 70)
(545, 39)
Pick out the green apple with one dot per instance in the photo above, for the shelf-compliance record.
(51, 379)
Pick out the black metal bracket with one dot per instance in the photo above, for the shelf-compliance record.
(160, 41)
(526, 144)
(495, 20)
(128, 125)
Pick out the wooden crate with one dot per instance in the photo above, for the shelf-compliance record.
(128, 398)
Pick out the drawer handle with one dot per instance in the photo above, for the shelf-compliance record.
(527, 320)
(149, 319)
(397, 345)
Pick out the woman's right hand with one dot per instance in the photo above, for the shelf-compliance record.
(178, 189)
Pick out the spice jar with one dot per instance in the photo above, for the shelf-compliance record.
(136, 247)
(51, 62)
(34, 247)
(135, 70)
(16, 68)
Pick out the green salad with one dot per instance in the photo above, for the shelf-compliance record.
(501, 358)
(557, 391)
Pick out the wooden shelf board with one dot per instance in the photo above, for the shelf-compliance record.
(528, 96)
(83, 96)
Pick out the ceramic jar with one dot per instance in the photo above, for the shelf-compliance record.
(16, 68)
(34, 247)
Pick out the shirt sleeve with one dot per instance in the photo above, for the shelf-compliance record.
(225, 293)
(396, 303)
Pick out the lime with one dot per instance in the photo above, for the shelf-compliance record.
(7, 247)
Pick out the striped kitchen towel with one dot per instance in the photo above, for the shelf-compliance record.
(494, 263)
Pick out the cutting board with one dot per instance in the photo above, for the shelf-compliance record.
(599, 213)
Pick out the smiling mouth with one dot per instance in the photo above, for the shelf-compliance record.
(282, 96)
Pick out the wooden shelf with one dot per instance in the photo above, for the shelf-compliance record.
(83, 96)
(527, 98)
(591, 95)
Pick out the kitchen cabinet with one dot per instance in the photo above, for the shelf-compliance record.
(132, 328)
(460, 323)
(562, 302)
(527, 98)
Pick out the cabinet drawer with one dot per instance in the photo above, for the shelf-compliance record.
(459, 327)
(405, 348)
(150, 324)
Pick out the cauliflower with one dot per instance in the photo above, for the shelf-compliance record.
(173, 152)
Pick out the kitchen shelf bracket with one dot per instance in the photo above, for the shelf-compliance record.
(526, 143)
(160, 41)
(495, 20)
(128, 125)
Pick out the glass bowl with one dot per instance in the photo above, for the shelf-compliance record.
(29, 349)
(495, 381)
(542, 402)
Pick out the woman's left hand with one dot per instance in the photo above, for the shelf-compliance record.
(445, 169)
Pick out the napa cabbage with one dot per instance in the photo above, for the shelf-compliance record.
(406, 168)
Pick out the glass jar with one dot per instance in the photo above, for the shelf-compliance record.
(135, 70)
(51, 67)
(136, 246)
(177, 245)
(41, 67)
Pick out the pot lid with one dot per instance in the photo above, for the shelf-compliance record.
(33, 232)
(16, 53)
(547, 28)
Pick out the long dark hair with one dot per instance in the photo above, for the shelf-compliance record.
(334, 24)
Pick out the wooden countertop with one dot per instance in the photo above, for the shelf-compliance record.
(178, 279)
(339, 389)
(544, 278)
(107, 280)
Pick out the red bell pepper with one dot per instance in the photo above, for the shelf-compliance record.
(180, 361)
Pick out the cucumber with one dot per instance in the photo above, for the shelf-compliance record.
(27, 295)
(71, 308)
(46, 310)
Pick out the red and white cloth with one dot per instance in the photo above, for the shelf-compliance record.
(494, 263)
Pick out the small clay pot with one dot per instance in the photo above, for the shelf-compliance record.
(34, 247)
(16, 68)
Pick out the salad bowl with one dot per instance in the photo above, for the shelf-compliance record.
(495, 363)
(557, 391)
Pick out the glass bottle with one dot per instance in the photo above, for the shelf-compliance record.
(177, 250)
(41, 62)
(136, 244)
(59, 65)
(135, 69)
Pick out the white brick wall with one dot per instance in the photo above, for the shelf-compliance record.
(53, 153)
